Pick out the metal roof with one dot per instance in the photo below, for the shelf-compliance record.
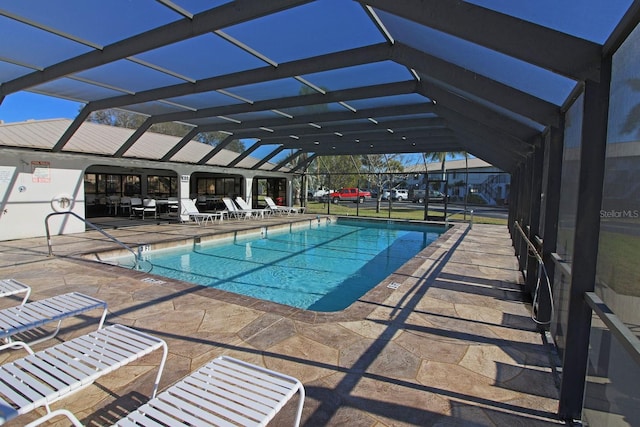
(312, 78)
(104, 140)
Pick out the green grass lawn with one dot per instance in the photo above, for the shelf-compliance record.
(398, 211)
(618, 264)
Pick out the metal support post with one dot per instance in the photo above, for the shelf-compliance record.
(583, 269)
(551, 208)
(534, 217)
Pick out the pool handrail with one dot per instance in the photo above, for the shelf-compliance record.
(136, 257)
(470, 211)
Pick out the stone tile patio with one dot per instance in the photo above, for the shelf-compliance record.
(454, 345)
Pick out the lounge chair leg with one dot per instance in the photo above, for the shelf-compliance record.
(14, 345)
(53, 414)
(300, 405)
(165, 351)
(46, 337)
(104, 316)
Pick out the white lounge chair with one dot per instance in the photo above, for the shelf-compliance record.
(279, 209)
(35, 314)
(225, 391)
(244, 206)
(201, 218)
(233, 210)
(9, 287)
(49, 375)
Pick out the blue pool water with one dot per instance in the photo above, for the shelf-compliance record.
(323, 269)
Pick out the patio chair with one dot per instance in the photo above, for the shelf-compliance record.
(9, 287)
(148, 205)
(112, 204)
(125, 205)
(225, 391)
(173, 205)
(201, 201)
(33, 315)
(245, 207)
(47, 376)
(128, 203)
(279, 209)
(201, 218)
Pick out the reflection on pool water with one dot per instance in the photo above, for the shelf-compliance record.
(323, 268)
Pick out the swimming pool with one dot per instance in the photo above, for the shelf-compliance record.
(322, 268)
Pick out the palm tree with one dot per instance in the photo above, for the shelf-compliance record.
(442, 156)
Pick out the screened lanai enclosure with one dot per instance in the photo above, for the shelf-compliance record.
(546, 91)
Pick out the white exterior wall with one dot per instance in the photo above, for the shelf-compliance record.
(30, 180)
(476, 176)
(183, 193)
(248, 185)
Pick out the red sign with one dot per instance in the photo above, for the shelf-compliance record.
(40, 171)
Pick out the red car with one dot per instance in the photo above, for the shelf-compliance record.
(353, 194)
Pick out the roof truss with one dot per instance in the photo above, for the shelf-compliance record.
(447, 108)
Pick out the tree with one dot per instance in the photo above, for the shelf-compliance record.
(297, 181)
(214, 138)
(129, 120)
(378, 166)
(341, 169)
(118, 118)
(441, 156)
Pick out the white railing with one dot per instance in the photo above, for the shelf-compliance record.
(470, 211)
(95, 227)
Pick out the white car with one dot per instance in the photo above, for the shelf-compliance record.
(399, 194)
(320, 193)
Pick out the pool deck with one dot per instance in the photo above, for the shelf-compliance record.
(453, 345)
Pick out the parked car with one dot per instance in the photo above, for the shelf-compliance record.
(395, 194)
(353, 194)
(399, 194)
(436, 196)
(418, 196)
(320, 193)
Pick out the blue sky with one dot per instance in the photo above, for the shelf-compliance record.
(23, 106)
(275, 34)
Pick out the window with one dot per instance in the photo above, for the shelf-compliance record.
(273, 187)
(98, 185)
(219, 186)
(131, 185)
(162, 186)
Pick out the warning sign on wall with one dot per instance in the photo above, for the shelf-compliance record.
(41, 171)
